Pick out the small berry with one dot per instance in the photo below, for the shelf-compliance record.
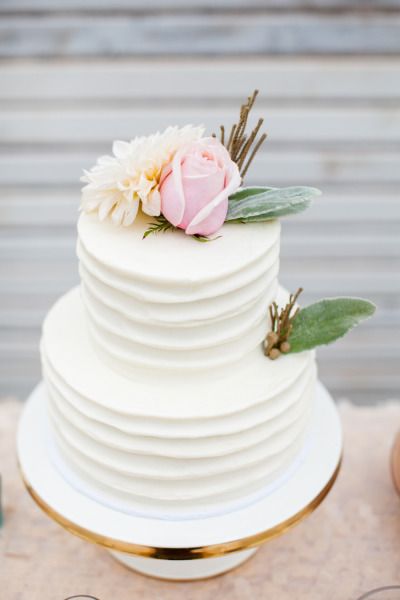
(272, 337)
(284, 347)
(274, 353)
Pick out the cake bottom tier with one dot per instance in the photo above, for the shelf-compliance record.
(167, 443)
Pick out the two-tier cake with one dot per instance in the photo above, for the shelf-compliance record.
(180, 378)
(174, 406)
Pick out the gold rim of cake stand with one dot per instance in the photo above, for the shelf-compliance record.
(210, 551)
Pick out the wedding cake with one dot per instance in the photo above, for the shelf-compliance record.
(165, 394)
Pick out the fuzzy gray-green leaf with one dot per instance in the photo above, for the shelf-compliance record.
(265, 204)
(247, 192)
(326, 321)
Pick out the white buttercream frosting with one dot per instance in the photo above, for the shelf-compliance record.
(170, 302)
(160, 396)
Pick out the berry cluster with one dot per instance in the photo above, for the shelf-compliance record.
(276, 341)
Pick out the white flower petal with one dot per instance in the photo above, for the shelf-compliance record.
(130, 215)
(105, 207)
(120, 148)
(153, 205)
(89, 204)
(118, 214)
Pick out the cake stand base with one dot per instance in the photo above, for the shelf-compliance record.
(184, 570)
(165, 548)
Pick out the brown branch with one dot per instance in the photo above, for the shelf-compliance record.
(276, 341)
(239, 142)
(252, 155)
(242, 155)
(229, 145)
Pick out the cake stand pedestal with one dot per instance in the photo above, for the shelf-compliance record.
(167, 548)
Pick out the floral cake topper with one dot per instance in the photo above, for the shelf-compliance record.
(188, 181)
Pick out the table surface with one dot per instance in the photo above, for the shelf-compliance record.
(351, 544)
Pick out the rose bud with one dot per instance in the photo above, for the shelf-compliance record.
(195, 187)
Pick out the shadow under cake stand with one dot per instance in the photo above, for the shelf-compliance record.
(167, 548)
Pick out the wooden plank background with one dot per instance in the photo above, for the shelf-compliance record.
(76, 74)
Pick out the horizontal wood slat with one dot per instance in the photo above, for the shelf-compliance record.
(372, 124)
(280, 78)
(159, 34)
(96, 6)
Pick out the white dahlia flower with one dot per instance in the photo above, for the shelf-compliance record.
(116, 184)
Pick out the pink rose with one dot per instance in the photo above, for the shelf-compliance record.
(195, 187)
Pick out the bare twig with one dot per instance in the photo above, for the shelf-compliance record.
(222, 129)
(240, 143)
(276, 341)
(255, 150)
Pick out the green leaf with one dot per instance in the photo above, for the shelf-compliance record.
(249, 191)
(204, 239)
(326, 321)
(265, 204)
(160, 225)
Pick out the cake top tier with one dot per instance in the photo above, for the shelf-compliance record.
(174, 256)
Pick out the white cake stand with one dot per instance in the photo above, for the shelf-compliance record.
(166, 548)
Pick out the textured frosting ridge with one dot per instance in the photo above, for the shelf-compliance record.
(160, 397)
(174, 315)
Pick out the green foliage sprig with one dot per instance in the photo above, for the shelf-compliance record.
(315, 325)
(161, 225)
